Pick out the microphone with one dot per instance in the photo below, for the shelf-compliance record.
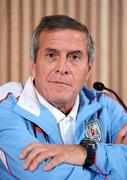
(99, 86)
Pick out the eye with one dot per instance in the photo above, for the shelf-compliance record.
(51, 55)
(74, 57)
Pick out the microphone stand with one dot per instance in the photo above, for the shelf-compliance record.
(100, 87)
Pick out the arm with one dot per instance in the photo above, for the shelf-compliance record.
(111, 159)
(14, 137)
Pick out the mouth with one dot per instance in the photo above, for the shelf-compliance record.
(60, 83)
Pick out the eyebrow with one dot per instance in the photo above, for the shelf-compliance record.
(75, 52)
(48, 49)
(51, 50)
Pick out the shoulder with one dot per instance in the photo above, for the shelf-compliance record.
(14, 88)
(113, 109)
(106, 101)
(9, 94)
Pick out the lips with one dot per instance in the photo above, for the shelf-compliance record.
(61, 83)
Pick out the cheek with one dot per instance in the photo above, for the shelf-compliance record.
(80, 82)
(45, 70)
(39, 71)
(81, 76)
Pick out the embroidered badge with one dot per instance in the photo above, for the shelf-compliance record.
(93, 130)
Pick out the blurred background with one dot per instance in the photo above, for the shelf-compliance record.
(106, 20)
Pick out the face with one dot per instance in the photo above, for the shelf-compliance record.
(61, 67)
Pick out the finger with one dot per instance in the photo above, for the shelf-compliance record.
(43, 155)
(118, 139)
(28, 148)
(54, 162)
(124, 140)
(39, 159)
(31, 157)
(120, 135)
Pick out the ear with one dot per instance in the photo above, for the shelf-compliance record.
(33, 68)
(90, 67)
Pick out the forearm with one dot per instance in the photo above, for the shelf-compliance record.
(110, 160)
(57, 154)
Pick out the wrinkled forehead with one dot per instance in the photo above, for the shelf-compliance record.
(63, 39)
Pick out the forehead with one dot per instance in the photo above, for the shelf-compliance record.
(63, 39)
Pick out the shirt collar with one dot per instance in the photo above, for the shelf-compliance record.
(28, 98)
(74, 110)
(56, 112)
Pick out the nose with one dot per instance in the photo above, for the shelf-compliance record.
(62, 67)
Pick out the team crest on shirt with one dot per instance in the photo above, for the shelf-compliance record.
(93, 130)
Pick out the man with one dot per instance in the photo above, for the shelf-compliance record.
(57, 128)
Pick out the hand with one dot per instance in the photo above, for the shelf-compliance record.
(121, 137)
(35, 153)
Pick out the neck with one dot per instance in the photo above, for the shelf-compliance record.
(64, 108)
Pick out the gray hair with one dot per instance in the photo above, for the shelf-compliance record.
(60, 22)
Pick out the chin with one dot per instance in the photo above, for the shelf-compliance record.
(61, 97)
(59, 100)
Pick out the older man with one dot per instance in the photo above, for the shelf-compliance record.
(58, 128)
